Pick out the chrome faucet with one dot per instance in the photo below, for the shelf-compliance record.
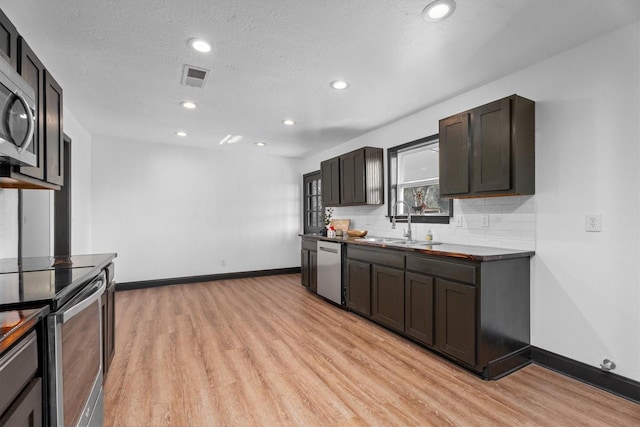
(393, 219)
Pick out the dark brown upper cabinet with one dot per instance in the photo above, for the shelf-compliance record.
(53, 136)
(48, 143)
(8, 41)
(489, 150)
(32, 70)
(454, 154)
(330, 176)
(355, 178)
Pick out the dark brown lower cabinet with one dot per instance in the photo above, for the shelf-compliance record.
(26, 410)
(475, 312)
(358, 275)
(20, 383)
(309, 265)
(108, 326)
(313, 271)
(456, 320)
(418, 306)
(305, 268)
(387, 305)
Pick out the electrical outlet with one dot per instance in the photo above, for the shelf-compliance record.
(484, 221)
(223, 262)
(593, 223)
(458, 221)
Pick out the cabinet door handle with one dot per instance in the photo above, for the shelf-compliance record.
(30, 119)
(333, 251)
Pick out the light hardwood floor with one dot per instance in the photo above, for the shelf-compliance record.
(264, 351)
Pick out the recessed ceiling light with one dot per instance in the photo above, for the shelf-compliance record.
(181, 133)
(289, 122)
(199, 45)
(189, 105)
(438, 10)
(339, 84)
(260, 144)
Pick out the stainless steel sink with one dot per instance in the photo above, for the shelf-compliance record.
(372, 239)
(416, 244)
(419, 245)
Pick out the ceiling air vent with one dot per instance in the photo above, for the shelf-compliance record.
(194, 76)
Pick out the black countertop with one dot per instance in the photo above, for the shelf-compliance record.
(34, 282)
(475, 253)
(21, 265)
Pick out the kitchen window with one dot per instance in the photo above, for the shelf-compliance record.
(313, 209)
(414, 179)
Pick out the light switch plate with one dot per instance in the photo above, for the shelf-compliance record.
(484, 221)
(458, 221)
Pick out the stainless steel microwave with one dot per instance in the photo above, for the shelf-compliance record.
(17, 118)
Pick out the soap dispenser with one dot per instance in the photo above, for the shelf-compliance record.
(429, 235)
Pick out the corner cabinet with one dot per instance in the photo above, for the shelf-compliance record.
(473, 312)
(489, 150)
(48, 142)
(353, 179)
(456, 319)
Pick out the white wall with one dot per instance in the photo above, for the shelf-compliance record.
(80, 184)
(585, 286)
(171, 211)
(37, 205)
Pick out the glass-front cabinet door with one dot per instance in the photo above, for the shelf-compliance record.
(313, 209)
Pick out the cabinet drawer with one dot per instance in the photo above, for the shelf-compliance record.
(448, 270)
(310, 244)
(386, 257)
(17, 367)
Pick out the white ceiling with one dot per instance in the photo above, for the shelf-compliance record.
(120, 62)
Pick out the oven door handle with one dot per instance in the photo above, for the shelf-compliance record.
(69, 313)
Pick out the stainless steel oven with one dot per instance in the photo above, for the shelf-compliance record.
(17, 118)
(75, 371)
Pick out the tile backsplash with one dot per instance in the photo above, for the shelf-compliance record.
(512, 222)
(8, 223)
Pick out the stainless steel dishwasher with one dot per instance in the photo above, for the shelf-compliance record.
(330, 271)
